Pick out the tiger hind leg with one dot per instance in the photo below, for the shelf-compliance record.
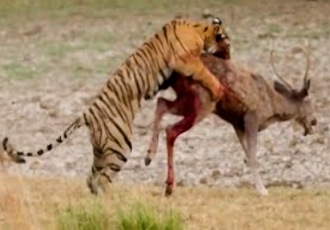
(105, 166)
(96, 183)
(99, 180)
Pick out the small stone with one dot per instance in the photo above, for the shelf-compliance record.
(180, 183)
(216, 174)
(53, 113)
(203, 180)
(70, 165)
(48, 103)
(320, 140)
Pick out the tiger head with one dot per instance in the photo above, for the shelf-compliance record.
(216, 40)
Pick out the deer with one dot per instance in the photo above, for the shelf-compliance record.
(250, 104)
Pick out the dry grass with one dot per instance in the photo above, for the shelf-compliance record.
(32, 203)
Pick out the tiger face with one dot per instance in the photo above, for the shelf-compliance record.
(216, 40)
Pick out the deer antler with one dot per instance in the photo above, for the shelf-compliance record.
(275, 71)
(307, 56)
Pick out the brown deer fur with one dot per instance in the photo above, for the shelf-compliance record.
(249, 103)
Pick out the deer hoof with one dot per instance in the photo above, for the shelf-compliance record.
(147, 161)
(263, 191)
(168, 191)
(254, 164)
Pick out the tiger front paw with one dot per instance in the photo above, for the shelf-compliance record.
(217, 92)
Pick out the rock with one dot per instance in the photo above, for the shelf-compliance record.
(48, 102)
(203, 181)
(216, 174)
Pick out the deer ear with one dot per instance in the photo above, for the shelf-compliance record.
(281, 89)
(304, 91)
(307, 85)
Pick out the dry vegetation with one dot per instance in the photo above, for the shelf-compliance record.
(56, 54)
(32, 203)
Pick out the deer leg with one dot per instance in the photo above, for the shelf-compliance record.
(241, 137)
(163, 106)
(172, 133)
(248, 138)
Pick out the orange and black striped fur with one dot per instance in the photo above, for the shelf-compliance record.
(177, 47)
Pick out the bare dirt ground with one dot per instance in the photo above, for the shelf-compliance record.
(52, 66)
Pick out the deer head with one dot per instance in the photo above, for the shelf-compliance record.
(223, 48)
(304, 113)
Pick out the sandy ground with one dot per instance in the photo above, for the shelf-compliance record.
(37, 108)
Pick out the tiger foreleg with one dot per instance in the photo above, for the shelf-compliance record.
(192, 66)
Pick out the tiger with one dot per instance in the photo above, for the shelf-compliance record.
(177, 47)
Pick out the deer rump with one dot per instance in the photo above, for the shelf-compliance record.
(249, 103)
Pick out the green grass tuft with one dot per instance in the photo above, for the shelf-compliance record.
(143, 217)
(19, 71)
(82, 217)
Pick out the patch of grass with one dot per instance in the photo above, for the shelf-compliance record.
(50, 9)
(271, 32)
(28, 203)
(34, 10)
(275, 28)
(82, 217)
(29, 9)
(57, 49)
(19, 71)
(140, 217)
(93, 215)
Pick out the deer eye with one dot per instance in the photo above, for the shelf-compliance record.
(218, 37)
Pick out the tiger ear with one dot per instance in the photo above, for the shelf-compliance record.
(217, 21)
